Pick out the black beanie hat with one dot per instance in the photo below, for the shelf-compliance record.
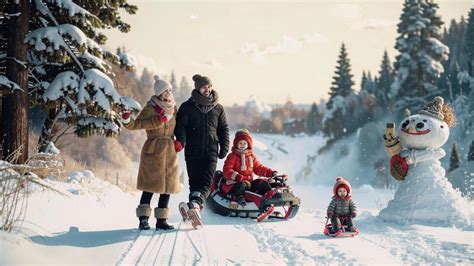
(201, 81)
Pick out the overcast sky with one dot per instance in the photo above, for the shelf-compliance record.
(270, 49)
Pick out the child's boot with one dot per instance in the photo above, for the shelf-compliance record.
(241, 200)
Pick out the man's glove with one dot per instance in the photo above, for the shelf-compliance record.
(222, 154)
(353, 214)
(178, 146)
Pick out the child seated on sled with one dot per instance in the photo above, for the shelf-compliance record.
(239, 167)
(342, 209)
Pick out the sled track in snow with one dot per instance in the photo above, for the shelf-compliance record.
(428, 249)
(180, 246)
(311, 246)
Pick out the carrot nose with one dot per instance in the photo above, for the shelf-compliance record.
(411, 130)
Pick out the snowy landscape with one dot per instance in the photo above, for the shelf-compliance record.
(98, 109)
(93, 223)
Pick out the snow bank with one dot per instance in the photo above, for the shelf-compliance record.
(462, 179)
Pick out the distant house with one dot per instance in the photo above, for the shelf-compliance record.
(294, 126)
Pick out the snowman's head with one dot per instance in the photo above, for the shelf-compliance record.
(429, 128)
(423, 131)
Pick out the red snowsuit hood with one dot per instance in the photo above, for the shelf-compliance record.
(243, 134)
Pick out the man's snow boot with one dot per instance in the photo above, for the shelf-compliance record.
(161, 214)
(194, 214)
(183, 210)
(143, 211)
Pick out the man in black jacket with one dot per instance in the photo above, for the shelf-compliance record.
(201, 127)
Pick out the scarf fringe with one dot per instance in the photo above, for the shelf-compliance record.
(243, 165)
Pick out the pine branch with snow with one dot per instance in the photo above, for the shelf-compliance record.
(418, 66)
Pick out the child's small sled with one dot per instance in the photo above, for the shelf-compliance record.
(344, 232)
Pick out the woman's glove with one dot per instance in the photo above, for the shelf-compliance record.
(161, 112)
(126, 115)
(353, 214)
(178, 146)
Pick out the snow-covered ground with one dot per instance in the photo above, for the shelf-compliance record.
(96, 224)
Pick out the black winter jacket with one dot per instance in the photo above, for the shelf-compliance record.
(203, 135)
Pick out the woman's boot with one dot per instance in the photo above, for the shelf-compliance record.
(161, 215)
(143, 213)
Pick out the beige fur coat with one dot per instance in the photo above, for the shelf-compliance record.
(158, 172)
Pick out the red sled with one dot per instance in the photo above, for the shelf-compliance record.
(344, 232)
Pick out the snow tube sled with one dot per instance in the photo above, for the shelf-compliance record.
(285, 204)
(344, 232)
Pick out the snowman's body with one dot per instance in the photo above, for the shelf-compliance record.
(426, 195)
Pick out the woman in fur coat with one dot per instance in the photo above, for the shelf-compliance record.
(158, 171)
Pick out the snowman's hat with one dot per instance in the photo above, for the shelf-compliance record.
(434, 108)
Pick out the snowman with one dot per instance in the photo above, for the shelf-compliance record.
(425, 195)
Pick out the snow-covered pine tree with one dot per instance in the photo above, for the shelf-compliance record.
(363, 80)
(314, 119)
(385, 80)
(333, 124)
(455, 159)
(174, 85)
(367, 101)
(470, 155)
(468, 51)
(455, 40)
(342, 80)
(418, 66)
(69, 72)
(184, 90)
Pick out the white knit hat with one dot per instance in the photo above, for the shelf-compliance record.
(161, 85)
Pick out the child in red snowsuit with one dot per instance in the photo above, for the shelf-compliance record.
(239, 167)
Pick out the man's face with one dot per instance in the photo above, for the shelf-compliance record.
(206, 90)
(242, 145)
(342, 192)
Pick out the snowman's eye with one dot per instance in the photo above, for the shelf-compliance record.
(442, 126)
(424, 120)
(420, 125)
(405, 124)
